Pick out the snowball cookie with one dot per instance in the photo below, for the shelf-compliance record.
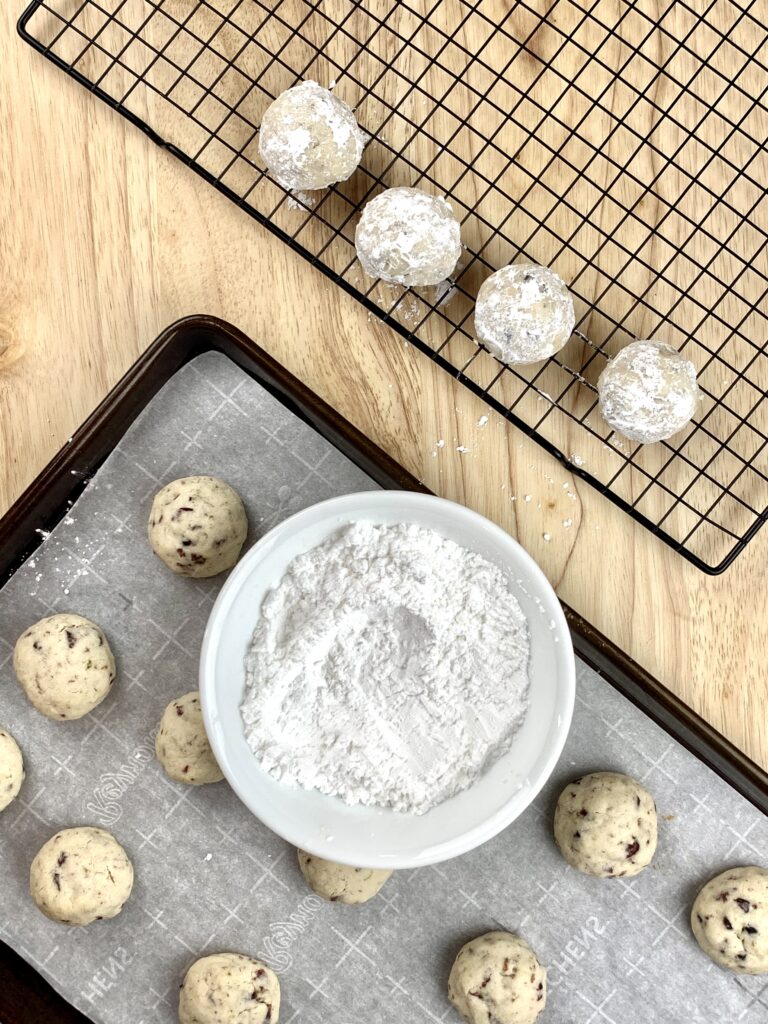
(730, 920)
(498, 978)
(605, 825)
(340, 883)
(197, 526)
(409, 237)
(81, 875)
(524, 313)
(648, 391)
(229, 988)
(11, 769)
(309, 138)
(182, 746)
(64, 665)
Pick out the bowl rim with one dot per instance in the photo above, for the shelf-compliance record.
(490, 826)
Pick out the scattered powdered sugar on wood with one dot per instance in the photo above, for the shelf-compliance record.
(388, 667)
(444, 292)
(410, 310)
(302, 200)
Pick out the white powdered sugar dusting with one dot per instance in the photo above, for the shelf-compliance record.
(524, 313)
(299, 200)
(408, 237)
(388, 667)
(309, 138)
(648, 391)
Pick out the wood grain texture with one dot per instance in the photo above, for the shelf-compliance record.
(105, 239)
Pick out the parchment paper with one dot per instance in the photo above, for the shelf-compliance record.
(210, 877)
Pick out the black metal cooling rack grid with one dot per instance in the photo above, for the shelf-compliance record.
(621, 143)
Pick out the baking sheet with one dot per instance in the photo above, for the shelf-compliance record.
(209, 877)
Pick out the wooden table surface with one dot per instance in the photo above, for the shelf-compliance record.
(105, 239)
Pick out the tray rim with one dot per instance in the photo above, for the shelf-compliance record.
(25, 997)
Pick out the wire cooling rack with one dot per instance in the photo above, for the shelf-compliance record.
(622, 143)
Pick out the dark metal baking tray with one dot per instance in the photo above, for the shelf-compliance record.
(25, 998)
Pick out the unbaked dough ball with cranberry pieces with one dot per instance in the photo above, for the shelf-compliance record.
(729, 919)
(341, 883)
(606, 825)
(11, 769)
(182, 746)
(229, 988)
(197, 526)
(81, 875)
(64, 665)
(498, 979)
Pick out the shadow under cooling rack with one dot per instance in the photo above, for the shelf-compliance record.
(620, 143)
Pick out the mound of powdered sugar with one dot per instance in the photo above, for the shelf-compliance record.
(389, 667)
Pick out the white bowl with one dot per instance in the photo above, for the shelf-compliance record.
(375, 837)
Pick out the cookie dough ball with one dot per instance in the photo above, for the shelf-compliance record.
(497, 977)
(197, 526)
(409, 237)
(11, 769)
(524, 314)
(605, 825)
(229, 988)
(64, 665)
(182, 746)
(648, 391)
(81, 875)
(309, 138)
(730, 920)
(340, 883)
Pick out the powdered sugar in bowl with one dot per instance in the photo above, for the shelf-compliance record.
(300, 561)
